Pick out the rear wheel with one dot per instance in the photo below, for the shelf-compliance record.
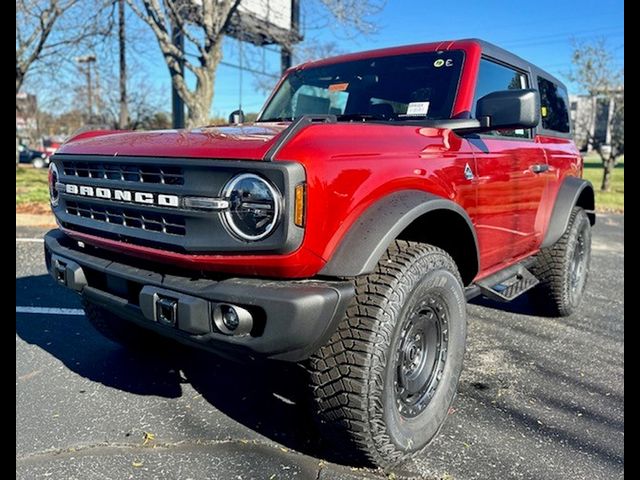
(563, 268)
(384, 382)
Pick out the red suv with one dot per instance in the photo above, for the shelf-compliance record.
(345, 229)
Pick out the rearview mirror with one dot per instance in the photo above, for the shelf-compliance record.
(236, 117)
(509, 109)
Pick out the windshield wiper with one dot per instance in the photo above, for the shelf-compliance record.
(361, 116)
(275, 119)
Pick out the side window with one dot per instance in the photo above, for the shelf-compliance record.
(554, 108)
(493, 77)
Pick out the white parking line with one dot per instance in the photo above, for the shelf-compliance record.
(30, 240)
(50, 310)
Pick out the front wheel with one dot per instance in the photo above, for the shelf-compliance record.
(38, 162)
(384, 382)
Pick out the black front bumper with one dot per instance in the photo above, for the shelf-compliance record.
(292, 319)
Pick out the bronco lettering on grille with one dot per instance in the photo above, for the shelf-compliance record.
(148, 198)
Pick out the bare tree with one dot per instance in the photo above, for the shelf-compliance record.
(143, 102)
(595, 72)
(203, 27)
(203, 24)
(34, 24)
(50, 29)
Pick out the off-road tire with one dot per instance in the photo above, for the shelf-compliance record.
(121, 331)
(559, 293)
(354, 375)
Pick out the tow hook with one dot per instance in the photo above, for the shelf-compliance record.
(68, 273)
(166, 310)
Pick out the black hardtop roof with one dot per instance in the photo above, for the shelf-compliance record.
(494, 51)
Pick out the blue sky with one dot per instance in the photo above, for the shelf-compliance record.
(537, 31)
(540, 32)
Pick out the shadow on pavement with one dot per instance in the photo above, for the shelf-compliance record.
(522, 305)
(268, 397)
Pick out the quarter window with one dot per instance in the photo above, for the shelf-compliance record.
(554, 109)
(493, 77)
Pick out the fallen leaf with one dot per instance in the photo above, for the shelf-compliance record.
(148, 437)
(137, 463)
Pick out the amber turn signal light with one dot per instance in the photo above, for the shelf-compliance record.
(298, 213)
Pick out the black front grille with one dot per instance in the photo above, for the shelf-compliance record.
(142, 173)
(154, 222)
(125, 219)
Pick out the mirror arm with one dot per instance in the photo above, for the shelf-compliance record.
(482, 124)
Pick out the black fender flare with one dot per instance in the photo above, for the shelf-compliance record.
(573, 191)
(369, 237)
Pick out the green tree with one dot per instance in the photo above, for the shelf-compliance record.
(594, 70)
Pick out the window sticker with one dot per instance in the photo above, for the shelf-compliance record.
(417, 108)
(543, 111)
(440, 62)
(338, 87)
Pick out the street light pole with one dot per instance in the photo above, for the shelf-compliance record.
(88, 59)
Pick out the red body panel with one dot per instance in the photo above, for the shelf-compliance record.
(249, 142)
(349, 166)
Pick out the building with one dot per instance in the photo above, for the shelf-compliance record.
(26, 118)
(591, 118)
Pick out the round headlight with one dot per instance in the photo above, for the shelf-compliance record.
(53, 179)
(254, 206)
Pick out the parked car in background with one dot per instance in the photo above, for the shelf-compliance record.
(51, 145)
(36, 158)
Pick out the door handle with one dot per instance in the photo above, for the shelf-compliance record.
(539, 168)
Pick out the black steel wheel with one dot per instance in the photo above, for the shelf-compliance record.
(421, 356)
(385, 380)
(563, 268)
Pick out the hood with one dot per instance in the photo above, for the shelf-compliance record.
(246, 142)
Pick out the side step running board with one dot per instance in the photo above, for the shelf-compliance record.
(507, 284)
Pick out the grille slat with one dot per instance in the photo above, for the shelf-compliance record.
(155, 222)
(168, 175)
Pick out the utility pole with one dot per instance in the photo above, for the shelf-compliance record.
(88, 59)
(124, 111)
(285, 49)
(285, 58)
(177, 104)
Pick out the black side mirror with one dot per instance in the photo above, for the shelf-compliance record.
(508, 109)
(236, 117)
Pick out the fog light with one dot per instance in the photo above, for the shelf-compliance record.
(232, 320)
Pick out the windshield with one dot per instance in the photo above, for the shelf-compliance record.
(395, 88)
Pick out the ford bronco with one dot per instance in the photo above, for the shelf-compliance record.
(345, 229)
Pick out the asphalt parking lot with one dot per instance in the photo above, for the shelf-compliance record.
(540, 398)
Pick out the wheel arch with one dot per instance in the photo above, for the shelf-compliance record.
(573, 192)
(411, 215)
